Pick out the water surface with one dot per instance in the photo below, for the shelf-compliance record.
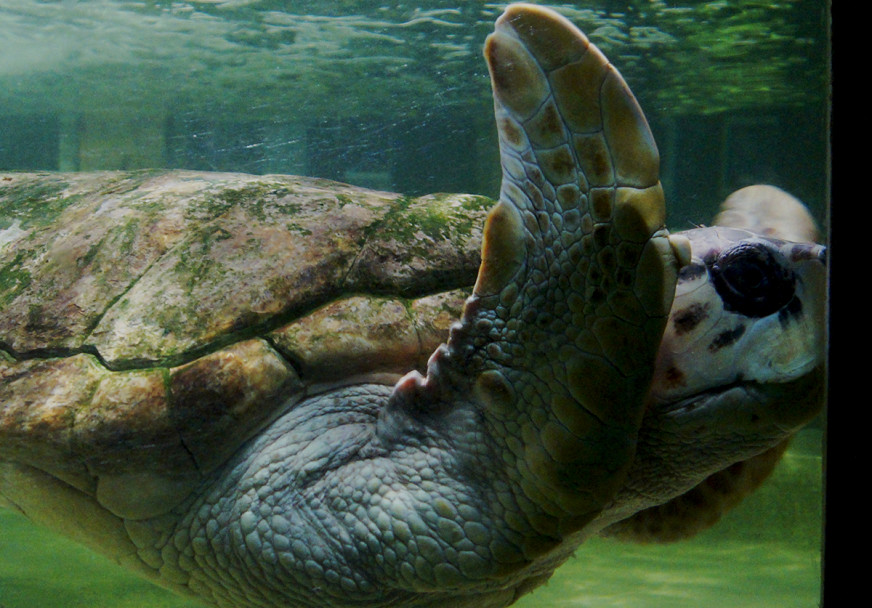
(396, 95)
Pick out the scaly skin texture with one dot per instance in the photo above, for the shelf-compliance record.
(574, 398)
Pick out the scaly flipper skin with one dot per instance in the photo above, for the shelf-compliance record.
(577, 276)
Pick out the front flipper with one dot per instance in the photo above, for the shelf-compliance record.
(770, 212)
(557, 343)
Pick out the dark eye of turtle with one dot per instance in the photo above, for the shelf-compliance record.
(752, 279)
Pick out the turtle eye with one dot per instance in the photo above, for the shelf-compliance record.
(752, 279)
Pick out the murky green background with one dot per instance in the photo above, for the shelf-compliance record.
(396, 96)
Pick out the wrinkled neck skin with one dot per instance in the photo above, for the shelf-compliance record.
(701, 456)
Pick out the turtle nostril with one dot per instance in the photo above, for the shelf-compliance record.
(806, 251)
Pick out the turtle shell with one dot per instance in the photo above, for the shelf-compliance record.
(154, 321)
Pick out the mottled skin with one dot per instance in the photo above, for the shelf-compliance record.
(569, 401)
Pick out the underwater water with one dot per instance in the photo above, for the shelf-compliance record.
(396, 96)
(765, 554)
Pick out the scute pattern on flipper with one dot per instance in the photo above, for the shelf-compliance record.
(577, 273)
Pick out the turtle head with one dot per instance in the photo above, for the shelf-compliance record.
(748, 311)
(739, 370)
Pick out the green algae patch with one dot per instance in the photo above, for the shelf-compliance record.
(436, 216)
(424, 245)
(14, 277)
(162, 267)
(32, 202)
(259, 199)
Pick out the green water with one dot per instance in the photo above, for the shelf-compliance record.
(396, 95)
(766, 554)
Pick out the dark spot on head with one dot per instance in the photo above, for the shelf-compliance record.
(674, 377)
(687, 319)
(690, 272)
(710, 257)
(725, 338)
(792, 310)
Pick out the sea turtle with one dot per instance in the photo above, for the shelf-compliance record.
(204, 391)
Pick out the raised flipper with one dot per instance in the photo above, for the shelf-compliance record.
(558, 341)
(770, 212)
